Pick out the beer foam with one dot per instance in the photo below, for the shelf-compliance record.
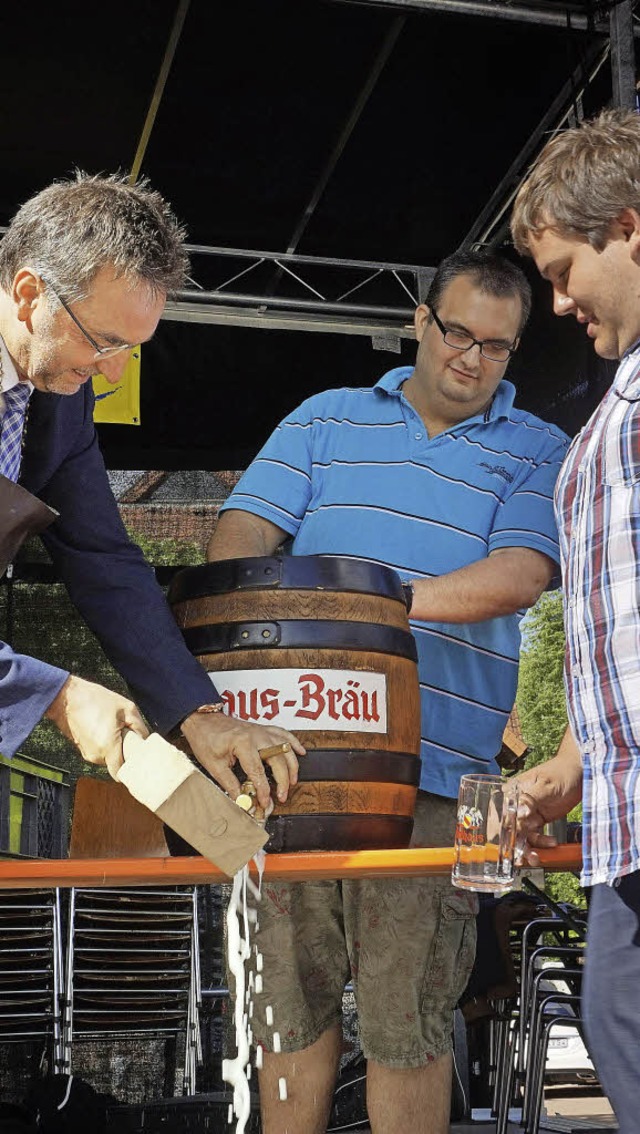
(238, 951)
(239, 918)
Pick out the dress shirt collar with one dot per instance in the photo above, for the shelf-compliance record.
(9, 372)
(627, 379)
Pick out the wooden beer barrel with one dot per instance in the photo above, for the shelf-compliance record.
(322, 646)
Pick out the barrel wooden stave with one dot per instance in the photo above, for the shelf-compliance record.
(242, 606)
(328, 796)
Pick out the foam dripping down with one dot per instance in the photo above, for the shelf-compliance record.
(237, 1071)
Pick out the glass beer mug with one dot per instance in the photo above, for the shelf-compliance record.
(486, 847)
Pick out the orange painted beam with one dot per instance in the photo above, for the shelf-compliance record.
(304, 866)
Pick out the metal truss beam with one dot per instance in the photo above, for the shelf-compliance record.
(285, 303)
(158, 90)
(297, 257)
(623, 62)
(358, 297)
(568, 14)
(349, 126)
(379, 330)
(621, 48)
(563, 104)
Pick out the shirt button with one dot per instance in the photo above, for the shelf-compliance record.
(418, 437)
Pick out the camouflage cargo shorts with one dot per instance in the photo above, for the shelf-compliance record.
(407, 944)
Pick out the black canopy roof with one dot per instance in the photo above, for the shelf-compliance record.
(387, 131)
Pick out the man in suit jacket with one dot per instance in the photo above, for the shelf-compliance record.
(85, 268)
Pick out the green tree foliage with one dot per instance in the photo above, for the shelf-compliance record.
(541, 701)
(167, 552)
(542, 707)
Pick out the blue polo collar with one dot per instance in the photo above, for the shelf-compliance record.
(500, 407)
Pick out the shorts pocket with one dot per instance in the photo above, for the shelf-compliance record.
(453, 951)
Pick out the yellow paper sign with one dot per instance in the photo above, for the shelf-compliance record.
(119, 404)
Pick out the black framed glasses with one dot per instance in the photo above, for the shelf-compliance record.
(461, 340)
(100, 352)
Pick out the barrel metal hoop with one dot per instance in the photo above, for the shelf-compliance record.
(289, 572)
(344, 831)
(322, 831)
(362, 765)
(300, 634)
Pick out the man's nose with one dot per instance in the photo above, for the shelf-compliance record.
(113, 367)
(562, 304)
(472, 354)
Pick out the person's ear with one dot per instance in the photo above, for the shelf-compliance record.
(629, 221)
(26, 292)
(420, 320)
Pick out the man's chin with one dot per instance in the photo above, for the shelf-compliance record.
(605, 348)
(606, 352)
(462, 393)
(66, 384)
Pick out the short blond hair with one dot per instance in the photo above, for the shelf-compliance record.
(581, 181)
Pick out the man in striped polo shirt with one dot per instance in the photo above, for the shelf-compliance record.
(578, 216)
(434, 473)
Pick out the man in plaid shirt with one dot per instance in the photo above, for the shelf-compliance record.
(578, 215)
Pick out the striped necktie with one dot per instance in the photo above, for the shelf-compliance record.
(12, 425)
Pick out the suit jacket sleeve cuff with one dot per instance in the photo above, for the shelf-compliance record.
(27, 688)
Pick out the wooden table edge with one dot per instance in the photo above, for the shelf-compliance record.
(299, 867)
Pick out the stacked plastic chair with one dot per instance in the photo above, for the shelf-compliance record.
(132, 969)
(550, 957)
(31, 970)
(491, 997)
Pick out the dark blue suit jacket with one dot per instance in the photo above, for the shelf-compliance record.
(106, 576)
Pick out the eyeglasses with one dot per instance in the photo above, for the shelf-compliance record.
(100, 352)
(495, 352)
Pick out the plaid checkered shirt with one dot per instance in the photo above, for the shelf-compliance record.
(11, 428)
(598, 511)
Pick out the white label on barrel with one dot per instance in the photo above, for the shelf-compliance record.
(340, 699)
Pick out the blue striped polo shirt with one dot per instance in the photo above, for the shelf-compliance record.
(353, 472)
